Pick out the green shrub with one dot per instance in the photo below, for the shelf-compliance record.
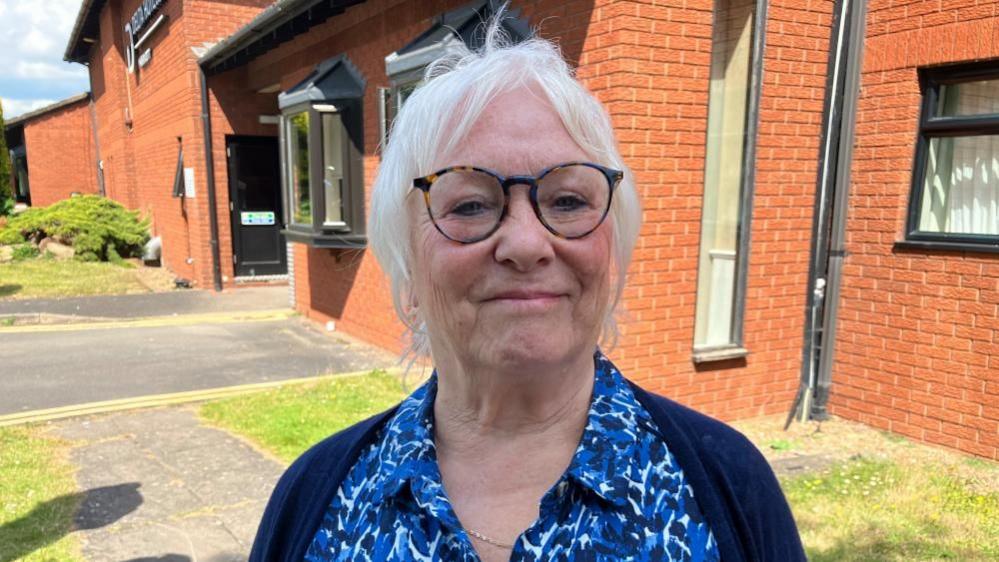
(96, 227)
(24, 252)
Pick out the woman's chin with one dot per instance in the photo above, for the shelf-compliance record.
(529, 352)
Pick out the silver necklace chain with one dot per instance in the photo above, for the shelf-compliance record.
(486, 539)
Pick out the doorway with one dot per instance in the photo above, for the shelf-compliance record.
(255, 202)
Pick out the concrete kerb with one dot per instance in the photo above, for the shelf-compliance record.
(158, 400)
(47, 322)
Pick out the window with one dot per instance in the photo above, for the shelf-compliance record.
(392, 100)
(727, 183)
(955, 188)
(321, 157)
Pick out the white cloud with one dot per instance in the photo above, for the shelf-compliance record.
(44, 70)
(12, 107)
(33, 38)
(35, 31)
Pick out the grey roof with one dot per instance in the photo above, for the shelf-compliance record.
(87, 24)
(25, 117)
(281, 21)
(333, 79)
(464, 25)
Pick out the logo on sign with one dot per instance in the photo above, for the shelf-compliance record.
(135, 24)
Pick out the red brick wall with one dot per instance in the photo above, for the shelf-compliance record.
(918, 338)
(649, 64)
(142, 114)
(60, 148)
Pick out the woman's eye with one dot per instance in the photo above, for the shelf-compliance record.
(469, 209)
(566, 203)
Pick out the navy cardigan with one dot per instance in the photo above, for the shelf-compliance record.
(734, 486)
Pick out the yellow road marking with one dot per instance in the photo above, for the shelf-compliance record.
(155, 400)
(156, 321)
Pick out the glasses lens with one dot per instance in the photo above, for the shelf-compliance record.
(466, 205)
(573, 199)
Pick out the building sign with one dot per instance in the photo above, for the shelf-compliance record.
(265, 218)
(189, 182)
(138, 21)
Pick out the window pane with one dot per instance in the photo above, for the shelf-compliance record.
(21, 164)
(961, 190)
(333, 170)
(298, 168)
(969, 98)
(732, 46)
(395, 97)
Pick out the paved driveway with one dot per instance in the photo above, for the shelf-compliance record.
(78, 364)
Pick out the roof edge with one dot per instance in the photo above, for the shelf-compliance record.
(74, 37)
(25, 117)
(271, 16)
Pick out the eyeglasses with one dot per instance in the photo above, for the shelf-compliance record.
(467, 204)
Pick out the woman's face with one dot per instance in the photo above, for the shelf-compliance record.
(521, 298)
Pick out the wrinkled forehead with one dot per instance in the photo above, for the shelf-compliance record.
(517, 131)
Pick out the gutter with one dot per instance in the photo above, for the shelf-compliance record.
(259, 25)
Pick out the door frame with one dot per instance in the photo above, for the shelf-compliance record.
(234, 216)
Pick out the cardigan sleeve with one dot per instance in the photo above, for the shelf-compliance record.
(732, 482)
(305, 490)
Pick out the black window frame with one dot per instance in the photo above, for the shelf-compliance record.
(932, 126)
(351, 232)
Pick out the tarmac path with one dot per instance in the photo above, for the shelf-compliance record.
(156, 485)
(51, 366)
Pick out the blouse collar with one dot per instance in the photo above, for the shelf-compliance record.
(607, 450)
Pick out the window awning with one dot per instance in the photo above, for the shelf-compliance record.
(333, 79)
(463, 25)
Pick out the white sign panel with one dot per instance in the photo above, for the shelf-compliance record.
(189, 182)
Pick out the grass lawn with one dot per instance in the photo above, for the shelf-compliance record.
(903, 502)
(867, 509)
(40, 277)
(286, 421)
(37, 498)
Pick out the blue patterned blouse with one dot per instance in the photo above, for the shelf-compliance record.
(622, 497)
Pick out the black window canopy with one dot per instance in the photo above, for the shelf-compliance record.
(333, 79)
(322, 146)
(463, 25)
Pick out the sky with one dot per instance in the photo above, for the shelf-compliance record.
(33, 38)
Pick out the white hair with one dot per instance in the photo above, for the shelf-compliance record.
(438, 115)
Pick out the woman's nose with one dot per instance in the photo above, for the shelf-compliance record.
(522, 241)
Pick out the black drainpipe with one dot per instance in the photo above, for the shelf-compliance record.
(835, 154)
(213, 220)
(97, 147)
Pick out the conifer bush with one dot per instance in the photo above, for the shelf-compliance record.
(97, 228)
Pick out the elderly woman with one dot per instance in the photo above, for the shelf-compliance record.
(505, 218)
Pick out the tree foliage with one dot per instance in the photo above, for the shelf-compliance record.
(6, 189)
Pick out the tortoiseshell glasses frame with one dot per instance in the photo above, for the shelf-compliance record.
(611, 176)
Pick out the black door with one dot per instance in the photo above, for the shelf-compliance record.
(255, 195)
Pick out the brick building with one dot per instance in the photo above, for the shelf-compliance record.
(811, 237)
(52, 152)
